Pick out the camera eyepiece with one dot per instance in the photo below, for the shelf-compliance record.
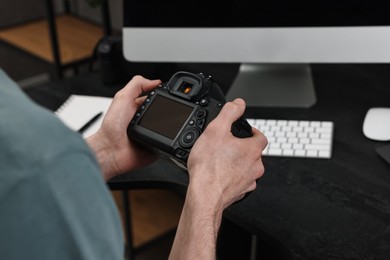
(185, 87)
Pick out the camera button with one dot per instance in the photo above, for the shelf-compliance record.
(201, 113)
(204, 102)
(188, 138)
(200, 123)
(181, 154)
(191, 122)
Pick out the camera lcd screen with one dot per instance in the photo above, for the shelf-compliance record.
(165, 116)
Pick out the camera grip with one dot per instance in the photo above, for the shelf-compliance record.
(241, 128)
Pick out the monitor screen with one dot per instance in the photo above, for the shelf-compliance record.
(256, 13)
(275, 41)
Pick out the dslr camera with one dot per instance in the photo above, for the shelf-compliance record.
(176, 113)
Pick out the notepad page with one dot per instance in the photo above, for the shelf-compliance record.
(79, 109)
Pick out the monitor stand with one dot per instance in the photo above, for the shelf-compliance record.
(274, 85)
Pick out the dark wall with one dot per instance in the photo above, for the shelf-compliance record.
(13, 12)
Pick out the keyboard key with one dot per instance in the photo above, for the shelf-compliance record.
(271, 122)
(320, 141)
(300, 153)
(282, 123)
(311, 153)
(327, 124)
(274, 151)
(316, 147)
(324, 154)
(291, 134)
(315, 124)
(304, 123)
(288, 152)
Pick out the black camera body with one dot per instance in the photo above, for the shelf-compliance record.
(176, 113)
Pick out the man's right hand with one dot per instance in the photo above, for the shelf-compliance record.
(223, 167)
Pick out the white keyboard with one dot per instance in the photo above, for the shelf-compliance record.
(296, 138)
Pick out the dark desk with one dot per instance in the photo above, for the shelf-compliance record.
(315, 208)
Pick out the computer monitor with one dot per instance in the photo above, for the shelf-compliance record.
(274, 41)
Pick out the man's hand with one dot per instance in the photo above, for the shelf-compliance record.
(115, 152)
(223, 166)
(222, 169)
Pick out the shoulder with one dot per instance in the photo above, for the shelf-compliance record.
(31, 135)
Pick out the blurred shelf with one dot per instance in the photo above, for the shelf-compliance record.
(76, 38)
(153, 213)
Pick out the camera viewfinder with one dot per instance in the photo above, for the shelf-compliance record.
(185, 87)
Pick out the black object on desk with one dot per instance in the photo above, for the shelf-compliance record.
(384, 152)
(90, 123)
(310, 208)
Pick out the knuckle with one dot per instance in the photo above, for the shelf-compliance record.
(260, 171)
(236, 106)
(253, 186)
(263, 140)
(137, 78)
(120, 94)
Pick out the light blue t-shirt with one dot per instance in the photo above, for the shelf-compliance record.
(54, 203)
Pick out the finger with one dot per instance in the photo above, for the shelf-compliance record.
(239, 197)
(230, 113)
(259, 138)
(246, 192)
(252, 187)
(139, 101)
(138, 85)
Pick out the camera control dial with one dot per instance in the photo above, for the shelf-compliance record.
(189, 137)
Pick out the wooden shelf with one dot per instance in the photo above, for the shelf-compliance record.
(153, 213)
(77, 38)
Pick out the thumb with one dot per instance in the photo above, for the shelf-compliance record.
(230, 112)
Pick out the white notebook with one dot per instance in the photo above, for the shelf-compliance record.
(77, 110)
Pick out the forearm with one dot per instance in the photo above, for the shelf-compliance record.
(102, 155)
(198, 228)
